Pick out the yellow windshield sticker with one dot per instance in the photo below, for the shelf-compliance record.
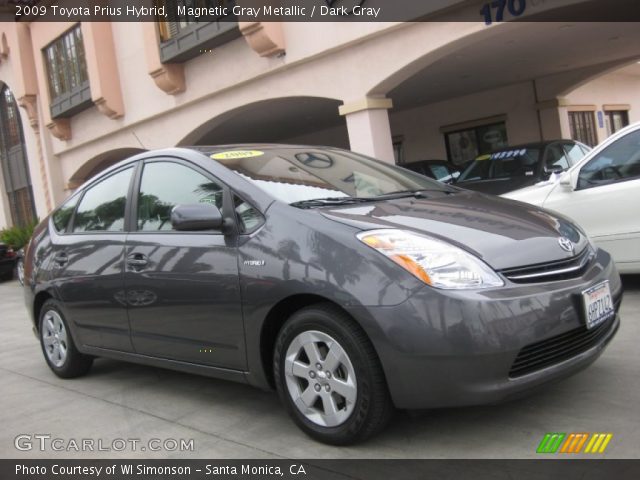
(236, 154)
(484, 157)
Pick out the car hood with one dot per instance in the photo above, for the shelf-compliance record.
(497, 186)
(504, 233)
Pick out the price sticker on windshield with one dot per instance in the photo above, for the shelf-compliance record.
(236, 154)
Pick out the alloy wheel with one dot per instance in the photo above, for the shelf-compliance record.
(320, 378)
(54, 338)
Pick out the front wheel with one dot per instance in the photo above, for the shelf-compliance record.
(329, 376)
(59, 350)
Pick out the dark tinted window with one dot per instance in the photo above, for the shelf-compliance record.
(165, 185)
(519, 162)
(585, 149)
(294, 174)
(62, 216)
(575, 153)
(619, 161)
(439, 172)
(555, 156)
(103, 205)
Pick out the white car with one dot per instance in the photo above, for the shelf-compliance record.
(602, 194)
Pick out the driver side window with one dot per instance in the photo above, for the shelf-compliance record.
(555, 156)
(620, 161)
(165, 185)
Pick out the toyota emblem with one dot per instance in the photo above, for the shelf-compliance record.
(566, 244)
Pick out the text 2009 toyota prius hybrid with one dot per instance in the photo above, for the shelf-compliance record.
(349, 285)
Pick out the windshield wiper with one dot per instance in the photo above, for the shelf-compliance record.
(329, 201)
(418, 193)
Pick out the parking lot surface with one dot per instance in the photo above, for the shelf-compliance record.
(227, 420)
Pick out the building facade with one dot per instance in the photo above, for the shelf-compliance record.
(78, 97)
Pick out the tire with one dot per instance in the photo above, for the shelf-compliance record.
(20, 271)
(347, 399)
(58, 348)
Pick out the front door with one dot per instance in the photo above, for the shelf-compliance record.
(182, 288)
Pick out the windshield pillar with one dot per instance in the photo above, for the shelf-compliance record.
(369, 128)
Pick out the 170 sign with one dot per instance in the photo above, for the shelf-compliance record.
(514, 7)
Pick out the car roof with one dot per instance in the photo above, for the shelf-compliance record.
(208, 149)
(199, 155)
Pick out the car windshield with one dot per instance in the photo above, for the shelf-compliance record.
(295, 175)
(520, 162)
(440, 172)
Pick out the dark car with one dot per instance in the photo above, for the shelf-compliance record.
(441, 170)
(349, 285)
(7, 262)
(511, 168)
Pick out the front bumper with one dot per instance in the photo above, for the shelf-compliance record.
(453, 348)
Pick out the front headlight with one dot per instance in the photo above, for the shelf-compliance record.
(433, 261)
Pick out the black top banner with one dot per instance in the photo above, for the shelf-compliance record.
(487, 11)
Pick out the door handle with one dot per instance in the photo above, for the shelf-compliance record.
(61, 259)
(137, 260)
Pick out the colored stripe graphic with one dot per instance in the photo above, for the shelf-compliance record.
(574, 442)
(550, 442)
(598, 443)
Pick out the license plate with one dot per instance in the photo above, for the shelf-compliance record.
(598, 305)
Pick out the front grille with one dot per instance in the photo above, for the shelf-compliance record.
(548, 272)
(539, 355)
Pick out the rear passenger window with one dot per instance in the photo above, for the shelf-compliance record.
(62, 216)
(165, 185)
(103, 205)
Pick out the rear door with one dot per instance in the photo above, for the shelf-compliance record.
(182, 288)
(88, 262)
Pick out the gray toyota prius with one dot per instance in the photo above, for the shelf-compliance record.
(349, 285)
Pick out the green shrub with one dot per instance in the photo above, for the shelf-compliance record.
(17, 237)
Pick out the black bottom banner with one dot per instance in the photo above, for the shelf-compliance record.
(318, 469)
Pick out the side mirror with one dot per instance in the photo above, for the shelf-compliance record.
(566, 181)
(196, 217)
(557, 169)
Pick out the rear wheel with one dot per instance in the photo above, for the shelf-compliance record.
(60, 352)
(329, 376)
